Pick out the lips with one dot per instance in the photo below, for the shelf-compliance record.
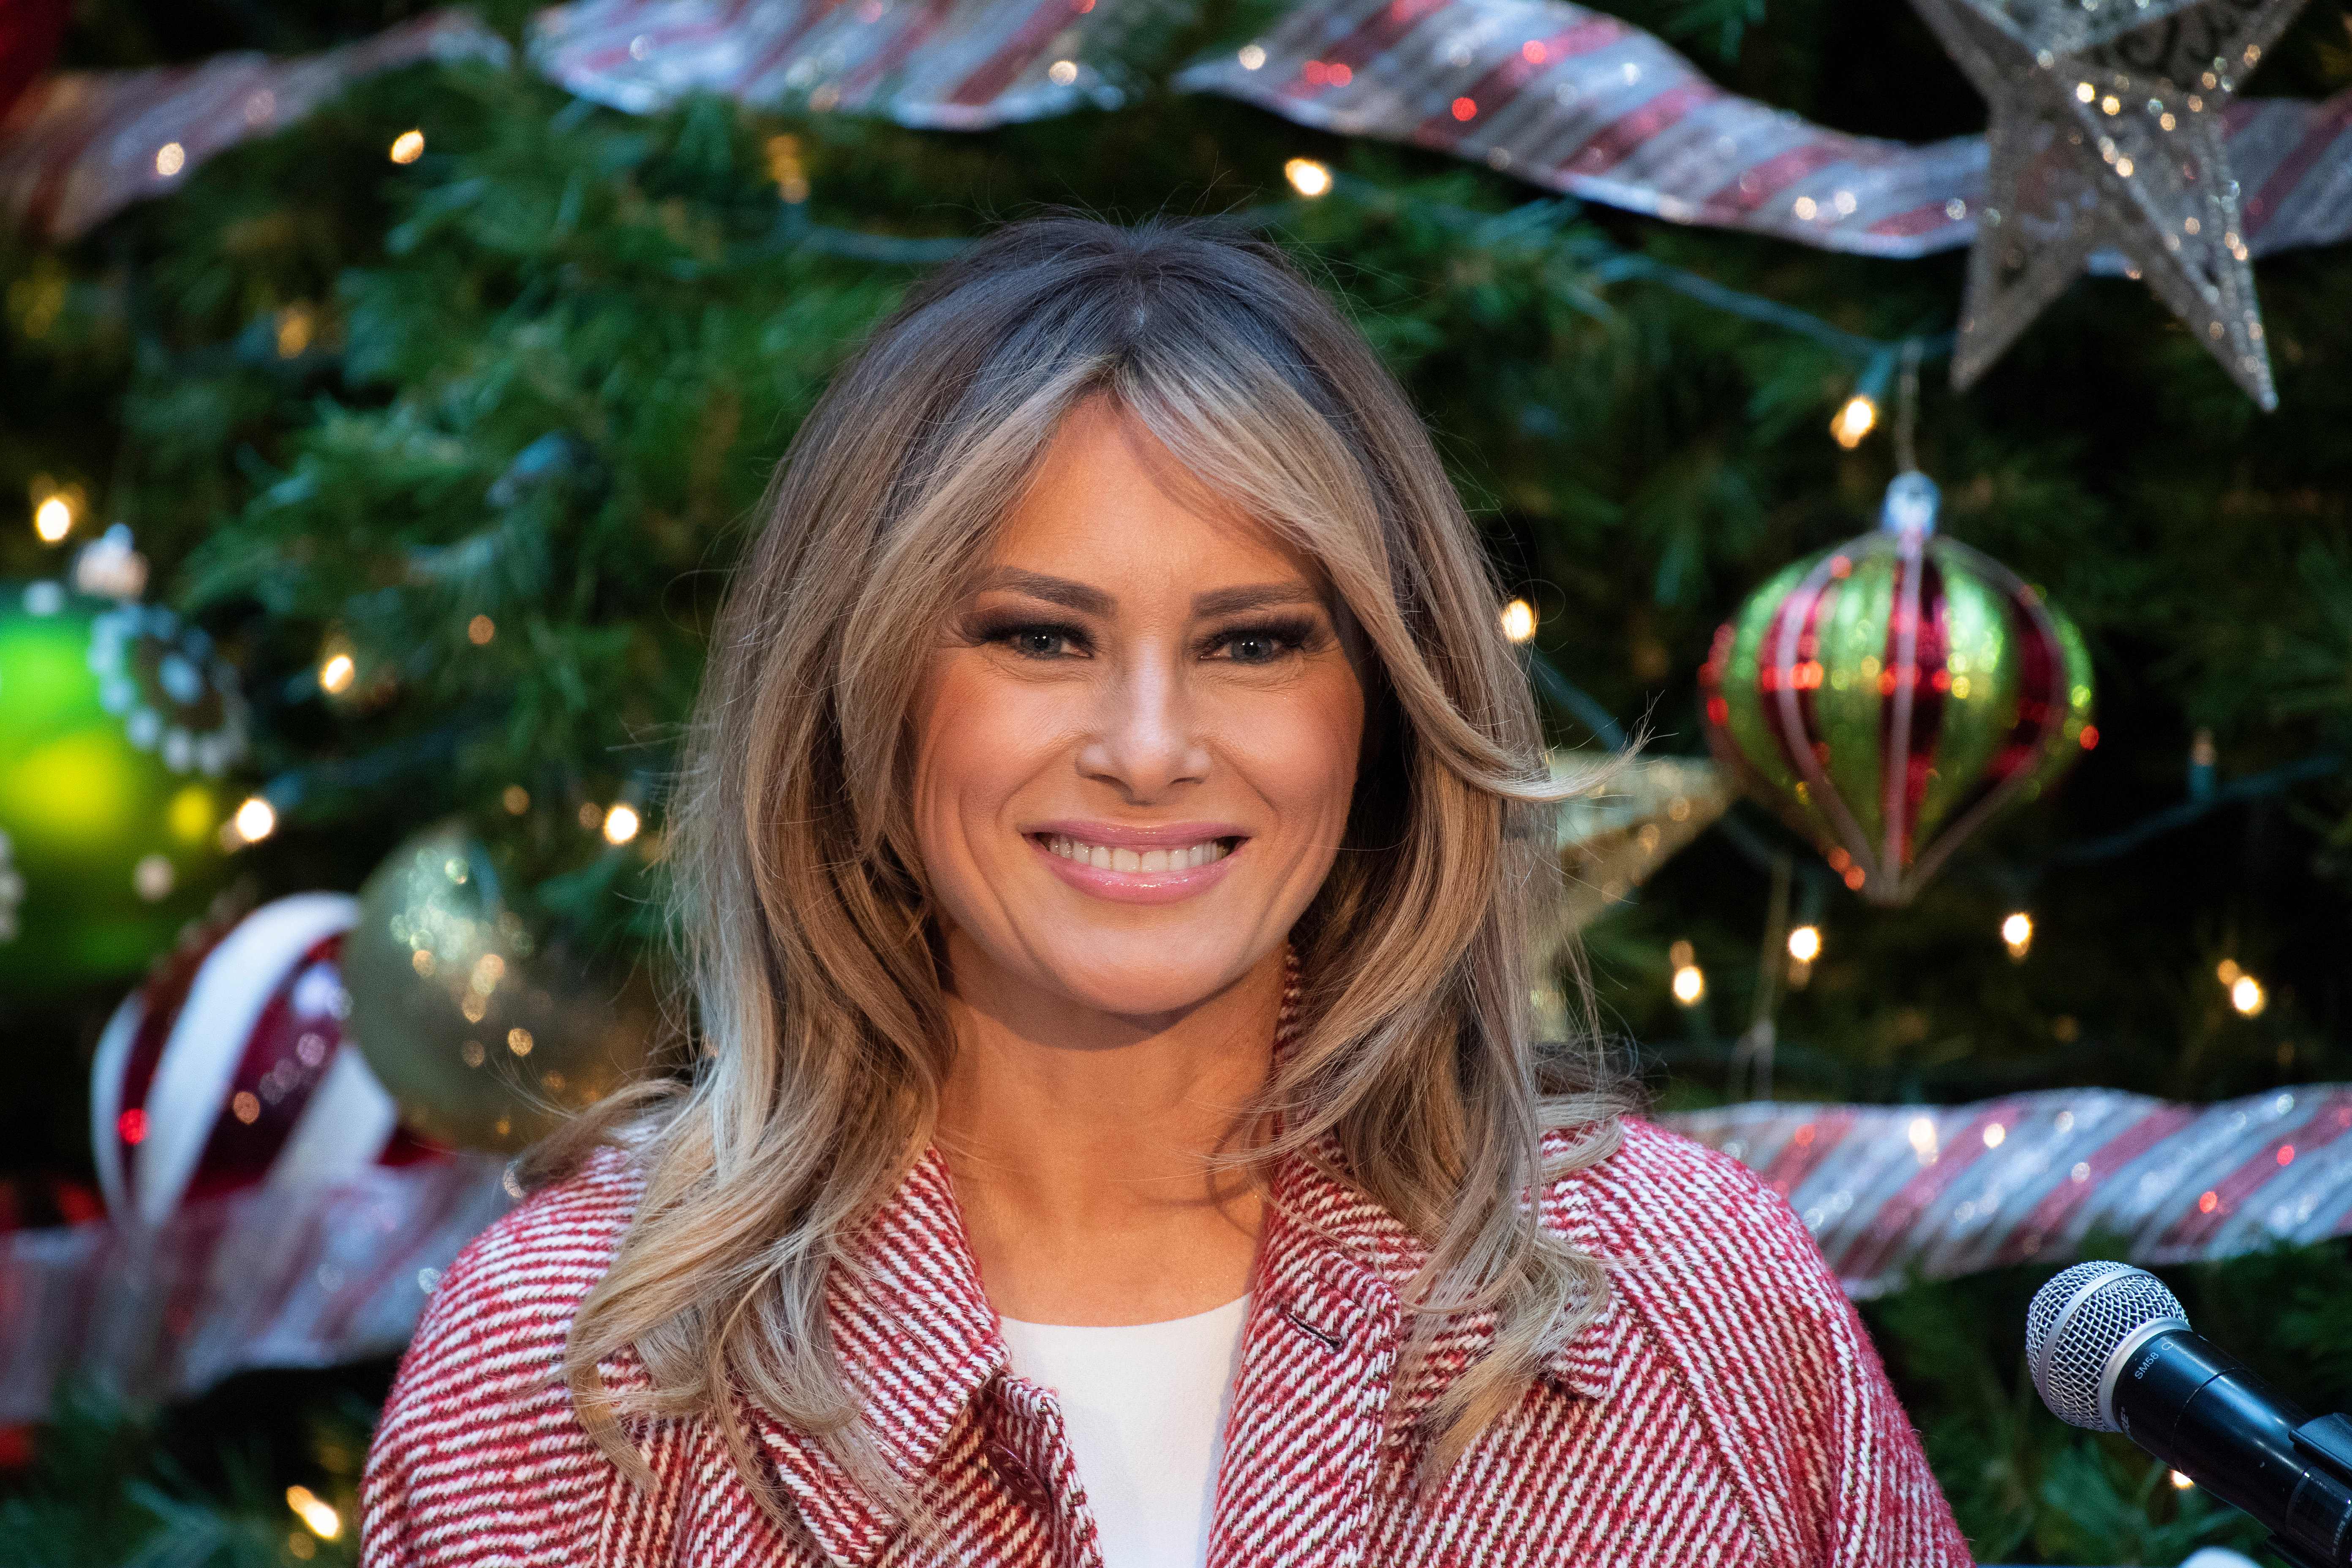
(1158, 864)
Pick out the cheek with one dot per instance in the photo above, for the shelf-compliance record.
(1305, 756)
(977, 739)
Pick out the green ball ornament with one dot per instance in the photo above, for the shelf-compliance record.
(117, 724)
(1891, 695)
(487, 1035)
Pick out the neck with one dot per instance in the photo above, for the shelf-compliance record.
(1054, 1102)
(1075, 1136)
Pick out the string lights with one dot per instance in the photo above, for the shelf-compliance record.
(1804, 947)
(2247, 995)
(1519, 621)
(787, 169)
(1690, 981)
(56, 509)
(296, 325)
(1308, 177)
(2017, 934)
(1856, 419)
(621, 824)
(407, 147)
(318, 1516)
(256, 820)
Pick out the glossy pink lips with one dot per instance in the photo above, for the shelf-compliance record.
(1138, 887)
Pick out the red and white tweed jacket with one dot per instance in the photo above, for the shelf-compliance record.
(1726, 1409)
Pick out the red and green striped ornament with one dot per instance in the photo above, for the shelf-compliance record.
(1890, 695)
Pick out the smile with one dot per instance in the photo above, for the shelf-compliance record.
(1125, 863)
(1118, 857)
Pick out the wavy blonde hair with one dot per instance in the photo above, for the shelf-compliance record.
(803, 912)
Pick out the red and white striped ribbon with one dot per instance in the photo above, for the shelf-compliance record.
(1895, 1190)
(272, 1276)
(960, 64)
(80, 146)
(1585, 104)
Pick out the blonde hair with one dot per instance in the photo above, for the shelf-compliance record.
(800, 901)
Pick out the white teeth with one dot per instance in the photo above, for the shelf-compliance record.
(1104, 858)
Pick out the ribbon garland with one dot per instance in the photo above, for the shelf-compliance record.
(80, 146)
(1585, 104)
(1896, 1191)
(272, 1276)
(1568, 99)
(316, 1276)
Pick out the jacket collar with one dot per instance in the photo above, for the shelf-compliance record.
(918, 1343)
(1321, 1220)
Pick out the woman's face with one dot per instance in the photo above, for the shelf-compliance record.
(1136, 739)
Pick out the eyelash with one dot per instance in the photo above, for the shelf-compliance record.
(1293, 635)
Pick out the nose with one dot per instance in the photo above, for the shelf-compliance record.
(1145, 740)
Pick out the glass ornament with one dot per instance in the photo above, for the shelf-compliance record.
(1889, 696)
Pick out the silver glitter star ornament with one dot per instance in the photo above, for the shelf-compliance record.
(2107, 135)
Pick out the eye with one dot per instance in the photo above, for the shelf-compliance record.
(1038, 639)
(1268, 642)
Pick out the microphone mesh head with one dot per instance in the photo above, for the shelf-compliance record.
(2069, 1359)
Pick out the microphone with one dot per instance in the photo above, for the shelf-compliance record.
(2111, 1350)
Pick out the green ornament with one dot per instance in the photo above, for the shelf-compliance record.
(486, 1033)
(1891, 695)
(117, 724)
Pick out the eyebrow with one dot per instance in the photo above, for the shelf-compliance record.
(1091, 601)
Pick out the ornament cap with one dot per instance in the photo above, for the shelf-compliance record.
(1910, 505)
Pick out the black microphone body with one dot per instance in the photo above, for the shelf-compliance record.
(2202, 1412)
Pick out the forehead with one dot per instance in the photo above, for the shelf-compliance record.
(1110, 505)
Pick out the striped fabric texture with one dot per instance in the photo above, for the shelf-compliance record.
(1583, 103)
(1725, 1407)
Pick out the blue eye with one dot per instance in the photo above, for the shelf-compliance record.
(1038, 639)
(1267, 644)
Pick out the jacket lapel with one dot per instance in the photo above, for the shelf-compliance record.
(1303, 1445)
(1321, 1405)
(917, 1342)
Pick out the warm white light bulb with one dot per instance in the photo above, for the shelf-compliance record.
(335, 676)
(1856, 419)
(621, 825)
(256, 820)
(1308, 177)
(407, 147)
(1520, 620)
(2017, 930)
(53, 519)
(315, 1512)
(1690, 984)
(2247, 995)
(1805, 943)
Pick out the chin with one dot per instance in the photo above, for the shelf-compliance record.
(1143, 975)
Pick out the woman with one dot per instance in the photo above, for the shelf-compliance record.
(1111, 836)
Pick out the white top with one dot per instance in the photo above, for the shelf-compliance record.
(1145, 1407)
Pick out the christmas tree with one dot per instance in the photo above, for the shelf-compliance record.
(442, 415)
